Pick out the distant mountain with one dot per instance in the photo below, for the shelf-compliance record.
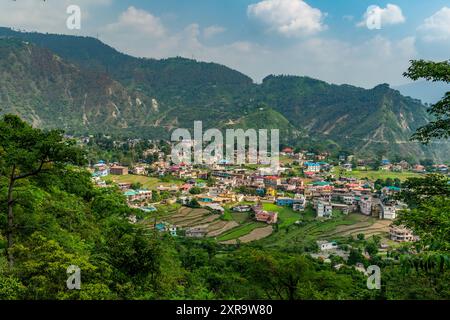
(50, 92)
(428, 92)
(84, 86)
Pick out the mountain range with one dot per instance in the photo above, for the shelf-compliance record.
(84, 86)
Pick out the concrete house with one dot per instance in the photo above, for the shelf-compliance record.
(324, 209)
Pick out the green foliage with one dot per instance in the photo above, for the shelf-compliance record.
(195, 190)
(439, 128)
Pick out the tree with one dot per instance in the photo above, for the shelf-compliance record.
(418, 190)
(26, 153)
(195, 190)
(136, 185)
(433, 71)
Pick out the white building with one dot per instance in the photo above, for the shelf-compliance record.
(312, 167)
(324, 209)
(325, 245)
(349, 199)
(365, 206)
(388, 212)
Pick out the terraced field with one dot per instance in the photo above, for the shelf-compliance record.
(246, 230)
(340, 227)
(228, 230)
(196, 217)
(256, 234)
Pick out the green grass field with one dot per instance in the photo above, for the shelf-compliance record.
(312, 230)
(374, 175)
(150, 183)
(286, 215)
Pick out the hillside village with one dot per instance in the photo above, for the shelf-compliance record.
(240, 204)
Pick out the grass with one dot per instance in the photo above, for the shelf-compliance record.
(380, 174)
(240, 231)
(150, 183)
(228, 215)
(312, 230)
(286, 215)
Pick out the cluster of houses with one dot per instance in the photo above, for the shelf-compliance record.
(233, 185)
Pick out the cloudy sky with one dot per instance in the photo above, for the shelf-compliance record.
(341, 41)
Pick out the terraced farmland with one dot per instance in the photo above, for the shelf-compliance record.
(340, 227)
(197, 217)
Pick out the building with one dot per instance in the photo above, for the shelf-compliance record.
(196, 232)
(388, 212)
(349, 199)
(272, 181)
(312, 167)
(400, 234)
(139, 170)
(118, 170)
(284, 201)
(265, 216)
(325, 245)
(242, 208)
(300, 203)
(216, 207)
(324, 209)
(365, 206)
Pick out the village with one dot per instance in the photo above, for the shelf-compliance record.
(243, 204)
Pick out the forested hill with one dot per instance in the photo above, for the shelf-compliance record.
(83, 85)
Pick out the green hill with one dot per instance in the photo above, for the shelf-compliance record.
(82, 85)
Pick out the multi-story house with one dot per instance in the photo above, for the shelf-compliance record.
(324, 209)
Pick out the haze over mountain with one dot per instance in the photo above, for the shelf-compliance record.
(428, 92)
(84, 86)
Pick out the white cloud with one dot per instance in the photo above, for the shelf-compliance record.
(141, 33)
(211, 31)
(390, 15)
(134, 20)
(436, 27)
(288, 17)
(365, 64)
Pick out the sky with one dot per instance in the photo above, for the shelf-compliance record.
(358, 42)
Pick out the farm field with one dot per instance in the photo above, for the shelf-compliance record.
(227, 229)
(241, 231)
(255, 234)
(215, 225)
(340, 227)
(150, 183)
(374, 175)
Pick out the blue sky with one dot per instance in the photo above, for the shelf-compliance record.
(325, 39)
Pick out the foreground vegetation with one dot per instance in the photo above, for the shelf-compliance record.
(56, 218)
